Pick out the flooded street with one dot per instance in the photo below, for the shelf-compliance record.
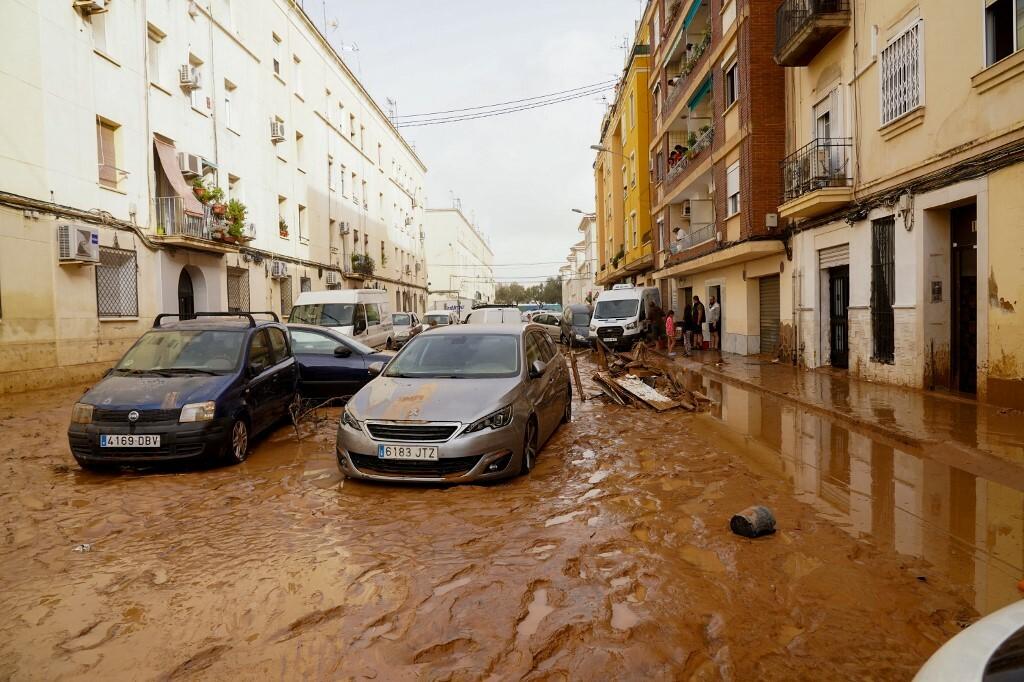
(612, 560)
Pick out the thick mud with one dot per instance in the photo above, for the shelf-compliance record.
(612, 560)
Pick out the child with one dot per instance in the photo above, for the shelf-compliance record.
(670, 331)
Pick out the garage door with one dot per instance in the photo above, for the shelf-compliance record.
(769, 314)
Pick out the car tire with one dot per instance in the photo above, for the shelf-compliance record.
(564, 341)
(529, 447)
(390, 345)
(236, 449)
(567, 412)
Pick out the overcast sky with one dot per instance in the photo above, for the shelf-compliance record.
(517, 175)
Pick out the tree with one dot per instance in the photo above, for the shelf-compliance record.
(548, 292)
(510, 294)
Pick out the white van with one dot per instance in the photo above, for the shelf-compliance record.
(363, 314)
(621, 315)
(508, 315)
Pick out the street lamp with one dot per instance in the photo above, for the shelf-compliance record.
(599, 148)
(586, 213)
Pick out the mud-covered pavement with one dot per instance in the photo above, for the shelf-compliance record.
(612, 560)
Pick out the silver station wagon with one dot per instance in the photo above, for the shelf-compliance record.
(458, 404)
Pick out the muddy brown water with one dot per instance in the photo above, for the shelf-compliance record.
(612, 560)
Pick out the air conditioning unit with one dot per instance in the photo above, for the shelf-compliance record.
(78, 244)
(332, 278)
(278, 269)
(686, 208)
(188, 77)
(276, 130)
(190, 164)
(88, 7)
(343, 228)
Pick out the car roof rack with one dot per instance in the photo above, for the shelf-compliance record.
(247, 315)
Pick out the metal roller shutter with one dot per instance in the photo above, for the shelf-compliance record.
(769, 290)
(834, 256)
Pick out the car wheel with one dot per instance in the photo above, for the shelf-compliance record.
(567, 413)
(390, 344)
(238, 442)
(563, 340)
(529, 448)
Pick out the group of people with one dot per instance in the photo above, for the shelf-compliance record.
(676, 155)
(663, 325)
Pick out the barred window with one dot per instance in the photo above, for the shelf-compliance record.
(883, 289)
(238, 290)
(305, 284)
(286, 297)
(902, 79)
(117, 293)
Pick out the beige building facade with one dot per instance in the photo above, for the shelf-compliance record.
(902, 191)
(461, 260)
(118, 109)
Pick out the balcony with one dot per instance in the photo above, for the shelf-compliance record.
(816, 178)
(690, 61)
(698, 234)
(178, 227)
(804, 27)
(697, 151)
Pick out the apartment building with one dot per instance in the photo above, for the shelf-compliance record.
(180, 157)
(622, 188)
(719, 133)
(578, 281)
(902, 190)
(461, 260)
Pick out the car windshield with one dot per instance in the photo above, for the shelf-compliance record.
(580, 319)
(556, 307)
(625, 307)
(323, 314)
(184, 351)
(440, 318)
(401, 320)
(458, 356)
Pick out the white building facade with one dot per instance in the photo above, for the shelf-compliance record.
(578, 274)
(461, 263)
(119, 112)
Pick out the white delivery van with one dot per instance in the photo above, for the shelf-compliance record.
(621, 315)
(363, 314)
(508, 315)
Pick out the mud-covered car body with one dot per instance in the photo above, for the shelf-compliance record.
(458, 404)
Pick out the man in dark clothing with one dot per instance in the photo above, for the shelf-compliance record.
(657, 317)
(687, 327)
(699, 318)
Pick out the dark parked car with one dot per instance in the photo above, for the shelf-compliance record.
(188, 390)
(331, 365)
(576, 325)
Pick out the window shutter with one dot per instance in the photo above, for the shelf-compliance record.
(732, 180)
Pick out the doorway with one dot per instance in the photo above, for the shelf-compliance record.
(838, 325)
(769, 300)
(186, 296)
(964, 298)
(715, 291)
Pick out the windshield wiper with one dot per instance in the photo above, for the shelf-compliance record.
(184, 370)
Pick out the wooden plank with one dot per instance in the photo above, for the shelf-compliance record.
(645, 394)
(605, 386)
(576, 377)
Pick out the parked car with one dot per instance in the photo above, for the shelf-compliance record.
(405, 326)
(552, 324)
(620, 317)
(458, 404)
(575, 325)
(495, 316)
(440, 318)
(992, 649)
(331, 365)
(528, 308)
(363, 314)
(555, 308)
(195, 389)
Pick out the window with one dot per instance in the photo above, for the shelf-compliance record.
(286, 296)
(303, 225)
(372, 314)
(655, 31)
(229, 95)
(355, 196)
(330, 173)
(362, 137)
(116, 283)
(352, 127)
(1004, 29)
(380, 154)
(277, 55)
(260, 357)
(366, 197)
(154, 36)
(238, 289)
(282, 223)
(632, 228)
(355, 240)
(341, 176)
(312, 343)
(632, 169)
(732, 189)
(300, 156)
(100, 40)
(632, 111)
(383, 256)
(297, 69)
(278, 344)
(732, 84)
(195, 95)
(234, 187)
(901, 74)
(305, 284)
(883, 293)
(106, 153)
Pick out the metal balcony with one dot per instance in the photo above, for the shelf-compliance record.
(175, 225)
(816, 178)
(698, 234)
(804, 27)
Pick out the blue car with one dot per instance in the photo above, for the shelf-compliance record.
(188, 390)
(331, 365)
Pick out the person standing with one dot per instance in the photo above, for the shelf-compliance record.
(699, 318)
(657, 328)
(714, 321)
(687, 327)
(670, 332)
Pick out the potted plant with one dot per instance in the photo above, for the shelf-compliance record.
(215, 195)
(199, 187)
(235, 216)
(282, 227)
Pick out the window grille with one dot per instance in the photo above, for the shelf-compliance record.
(238, 290)
(883, 289)
(901, 63)
(305, 284)
(286, 297)
(117, 293)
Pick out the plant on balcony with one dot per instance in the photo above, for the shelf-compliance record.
(362, 264)
(235, 215)
(199, 187)
(282, 227)
(215, 197)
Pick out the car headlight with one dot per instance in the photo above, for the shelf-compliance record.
(81, 413)
(350, 421)
(593, 327)
(198, 412)
(631, 325)
(494, 420)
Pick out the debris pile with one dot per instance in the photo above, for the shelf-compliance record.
(644, 378)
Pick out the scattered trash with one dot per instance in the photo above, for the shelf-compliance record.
(644, 377)
(753, 522)
(922, 578)
(84, 547)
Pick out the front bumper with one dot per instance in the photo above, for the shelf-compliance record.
(464, 458)
(178, 442)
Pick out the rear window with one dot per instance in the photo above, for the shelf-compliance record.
(439, 318)
(581, 319)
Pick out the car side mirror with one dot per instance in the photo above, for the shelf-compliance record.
(375, 368)
(342, 352)
(255, 370)
(537, 369)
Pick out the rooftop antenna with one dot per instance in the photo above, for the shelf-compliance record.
(392, 108)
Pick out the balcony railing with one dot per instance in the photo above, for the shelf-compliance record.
(689, 66)
(172, 219)
(692, 155)
(697, 235)
(822, 163)
(803, 27)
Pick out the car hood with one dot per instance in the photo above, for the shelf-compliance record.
(153, 392)
(458, 400)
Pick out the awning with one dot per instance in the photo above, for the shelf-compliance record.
(704, 89)
(691, 14)
(169, 162)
